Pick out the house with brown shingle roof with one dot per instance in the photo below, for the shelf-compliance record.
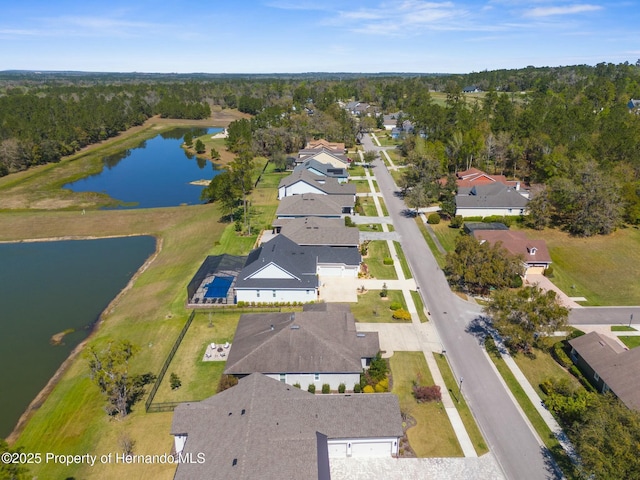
(266, 429)
(609, 366)
(534, 253)
(317, 346)
(322, 143)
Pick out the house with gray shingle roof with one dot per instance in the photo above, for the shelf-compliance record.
(324, 170)
(314, 347)
(320, 231)
(490, 199)
(282, 271)
(266, 429)
(325, 155)
(303, 181)
(609, 366)
(315, 205)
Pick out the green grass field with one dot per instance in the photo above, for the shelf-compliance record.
(417, 300)
(378, 251)
(630, 342)
(371, 308)
(433, 435)
(403, 260)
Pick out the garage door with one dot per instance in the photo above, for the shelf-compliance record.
(535, 271)
(372, 449)
(337, 450)
(330, 271)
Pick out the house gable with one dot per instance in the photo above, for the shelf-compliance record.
(272, 270)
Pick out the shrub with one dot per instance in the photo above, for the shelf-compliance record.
(433, 219)
(368, 389)
(560, 355)
(384, 292)
(311, 388)
(516, 282)
(456, 222)
(348, 222)
(326, 388)
(297, 385)
(175, 382)
(427, 393)
(226, 381)
(548, 272)
(382, 386)
(387, 261)
(401, 314)
(395, 306)
(341, 388)
(357, 388)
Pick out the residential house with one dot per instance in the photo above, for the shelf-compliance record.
(471, 227)
(320, 231)
(534, 253)
(317, 346)
(337, 147)
(282, 271)
(473, 176)
(390, 121)
(358, 109)
(324, 155)
(471, 89)
(609, 366)
(634, 105)
(303, 181)
(488, 200)
(314, 205)
(324, 170)
(266, 429)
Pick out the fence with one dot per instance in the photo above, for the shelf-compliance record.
(167, 362)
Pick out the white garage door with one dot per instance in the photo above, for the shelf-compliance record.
(373, 449)
(337, 450)
(330, 271)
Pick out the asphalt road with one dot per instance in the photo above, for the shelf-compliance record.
(506, 432)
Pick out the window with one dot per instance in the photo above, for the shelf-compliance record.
(596, 377)
(283, 377)
(317, 377)
(274, 294)
(258, 293)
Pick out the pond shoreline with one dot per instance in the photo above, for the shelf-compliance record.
(44, 393)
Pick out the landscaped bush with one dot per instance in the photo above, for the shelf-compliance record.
(341, 388)
(387, 261)
(427, 393)
(311, 388)
(560, 355)
(226, 381)
(401, 314)
(456, 222)
(395, 305)
(433, 219)
(357, 388)
(175, 382)
(516, 282)
(548, 272)
(384, 292)
(297, 385)
(326, 388)
(348, 222)
(368, 389)
(382, 386)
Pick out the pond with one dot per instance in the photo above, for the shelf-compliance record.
(51, 287)
(156, 173)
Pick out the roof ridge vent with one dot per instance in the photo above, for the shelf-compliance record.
(295, 327)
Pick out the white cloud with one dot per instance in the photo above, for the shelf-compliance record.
(563, 10)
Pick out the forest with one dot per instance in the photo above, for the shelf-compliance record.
(571, 132)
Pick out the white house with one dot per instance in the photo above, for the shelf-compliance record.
(282, 271)
(490, 199)
(303, 181)
(292, 347)
(266, 429)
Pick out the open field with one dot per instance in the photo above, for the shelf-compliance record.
(603, 268)
(433, 435)
(446, 234)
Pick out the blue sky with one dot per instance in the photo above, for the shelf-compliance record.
(265, 36)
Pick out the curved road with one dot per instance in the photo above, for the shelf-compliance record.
(508, 435)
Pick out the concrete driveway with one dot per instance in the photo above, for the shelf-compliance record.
(394, 337)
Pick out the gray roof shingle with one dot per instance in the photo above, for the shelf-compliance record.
(320, 231)
(494, 195)
(314, 205)
(328, 185)
(302, 342)
(276, 431)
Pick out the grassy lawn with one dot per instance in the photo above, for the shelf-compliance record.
(371, 308)
(470, 424)
(440, 258)
(433, 435)
(603, 268)
(417, 299)
(385, 212)
(446, 235)
(396, 175)
(369, 207)
(622, 328)
(630, 342)
(384, 137)
(403, 260)
(362, 186)
(541, 368)
(356, 171)
(199, 378)
(369, 227)
(378, 251)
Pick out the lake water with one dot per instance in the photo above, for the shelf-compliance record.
(47, 288)
(154, 174)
